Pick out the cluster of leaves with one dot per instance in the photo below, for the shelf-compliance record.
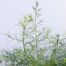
(39, 47)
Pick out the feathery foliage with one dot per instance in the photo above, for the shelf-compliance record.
(40, 48)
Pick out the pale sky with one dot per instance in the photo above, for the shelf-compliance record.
(53, 14)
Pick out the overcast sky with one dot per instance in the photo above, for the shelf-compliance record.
(53, 14)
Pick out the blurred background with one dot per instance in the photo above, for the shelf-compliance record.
(53, 14)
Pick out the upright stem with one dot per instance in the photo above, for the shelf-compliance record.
(57, 48)
(36, 40)
(24, 39)
(57, 42)
(36, 13)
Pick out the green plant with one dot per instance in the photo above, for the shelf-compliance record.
(34, 41)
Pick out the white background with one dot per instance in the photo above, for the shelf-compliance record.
(53, 14)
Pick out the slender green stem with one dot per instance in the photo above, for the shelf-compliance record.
(24, 39)
(36, 36)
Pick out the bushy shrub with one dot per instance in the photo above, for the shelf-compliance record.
(40, 48)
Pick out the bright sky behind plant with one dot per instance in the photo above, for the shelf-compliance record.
(53, 16)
